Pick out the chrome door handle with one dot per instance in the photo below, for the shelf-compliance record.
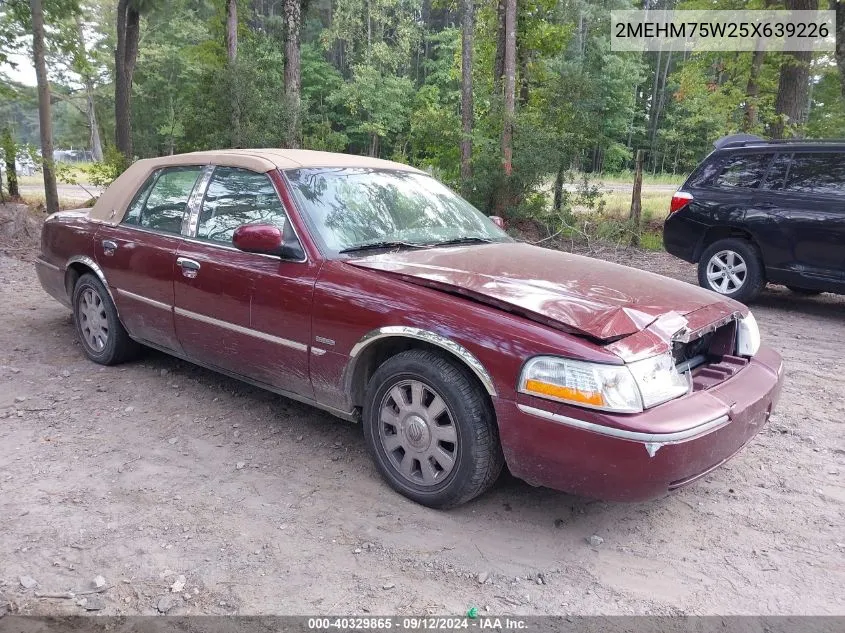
(109, 247)
(190, 268)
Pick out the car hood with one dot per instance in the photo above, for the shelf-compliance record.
(579, 294)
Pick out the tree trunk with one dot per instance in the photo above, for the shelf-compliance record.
(466, 93)
(752, 88)
(752, 91)
(51, 194)
(636, 199)
(232, 54)
(661, 98)
(504, 195)
(10, 149)
(96, 143)
(558, 190)
(509, 85)
(839, 7)
(791, 101)
(293, 80)
(522, 56)
(125, 56)
(499, 61)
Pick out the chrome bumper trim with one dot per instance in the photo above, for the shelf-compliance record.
(649, 439)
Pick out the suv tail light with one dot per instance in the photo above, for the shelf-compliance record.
(679, 201)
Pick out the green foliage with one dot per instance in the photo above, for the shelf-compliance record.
(382, 77)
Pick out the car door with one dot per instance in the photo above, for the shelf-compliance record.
(245, 313)
(815, 193)
(138, 255)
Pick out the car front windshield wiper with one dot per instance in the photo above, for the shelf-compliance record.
(462, 240)
(377, 245)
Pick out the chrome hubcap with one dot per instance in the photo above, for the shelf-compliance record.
(93, 322)
(726, 272)
(418, 433)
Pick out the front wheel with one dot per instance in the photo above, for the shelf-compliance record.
(733, 268)
(100, 331)
(431, 430)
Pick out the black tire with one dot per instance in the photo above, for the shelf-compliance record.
(117, 347)
(804, 291)
(478, 457)
(754, 279)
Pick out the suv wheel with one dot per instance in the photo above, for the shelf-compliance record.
(732, 267)
(103, 337)
(430, 430)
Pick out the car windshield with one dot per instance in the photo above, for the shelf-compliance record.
(365, 209)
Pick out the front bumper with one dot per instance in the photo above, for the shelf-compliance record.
(641, 456)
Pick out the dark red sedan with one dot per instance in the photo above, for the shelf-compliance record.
(368, 289)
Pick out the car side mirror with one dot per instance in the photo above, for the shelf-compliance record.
(266, 239)
(498, 221)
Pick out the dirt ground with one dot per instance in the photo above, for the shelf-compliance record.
(191, 493)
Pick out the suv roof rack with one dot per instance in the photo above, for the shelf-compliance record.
(742, 140)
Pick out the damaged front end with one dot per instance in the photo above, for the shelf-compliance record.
(708, 351)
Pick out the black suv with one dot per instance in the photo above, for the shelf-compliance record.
(759, 211)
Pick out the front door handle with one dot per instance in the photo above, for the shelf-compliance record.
(109, 247)
(190, 268)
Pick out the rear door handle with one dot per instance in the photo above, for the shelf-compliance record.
(109, 247)
(190, 268)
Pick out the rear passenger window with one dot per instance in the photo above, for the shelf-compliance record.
(777, 172)
(817, 173)
(236, 197)
(744, 170)
(160, 205)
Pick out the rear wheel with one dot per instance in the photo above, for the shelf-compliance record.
(733, 268)
(431, 430)
(103, 337)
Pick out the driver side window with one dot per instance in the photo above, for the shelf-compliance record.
(236, 197)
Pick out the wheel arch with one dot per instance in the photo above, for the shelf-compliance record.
(79, 265)
(716, 233)
(375, 347)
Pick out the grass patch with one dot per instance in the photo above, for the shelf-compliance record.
(655, 204)
(627, 177)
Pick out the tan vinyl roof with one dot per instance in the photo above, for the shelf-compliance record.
(111, 206)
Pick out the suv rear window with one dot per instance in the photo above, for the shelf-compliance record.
(822, 173)
(739, 170)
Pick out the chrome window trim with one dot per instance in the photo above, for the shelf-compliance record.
(194, 204)
(143, 299)
(404, 331)
(226, 247)
(240, 329)
(653, 441)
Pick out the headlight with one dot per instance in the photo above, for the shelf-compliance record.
(620, 388)
(747, 336)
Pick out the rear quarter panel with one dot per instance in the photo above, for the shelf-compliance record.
(65, 235)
